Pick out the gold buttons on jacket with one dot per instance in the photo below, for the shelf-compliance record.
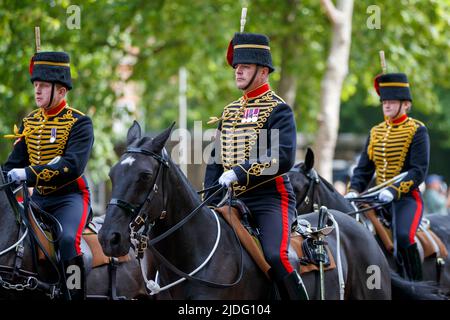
(40, 148)
(388, 147)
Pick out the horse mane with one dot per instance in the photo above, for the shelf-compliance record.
(189, 187)
(329, 186)
(328, 190)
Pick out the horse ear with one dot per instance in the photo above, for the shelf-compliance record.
(160, 140)
(134, 133)
(309, 159)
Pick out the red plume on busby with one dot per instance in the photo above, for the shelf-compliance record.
(376, 83)
(230, 52)
(31, 65)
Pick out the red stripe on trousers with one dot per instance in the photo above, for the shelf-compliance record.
(284, 219)
(83, 189)
(417, 214)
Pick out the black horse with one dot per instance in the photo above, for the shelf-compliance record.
(128, 275)
(150, 191)
(312, 189)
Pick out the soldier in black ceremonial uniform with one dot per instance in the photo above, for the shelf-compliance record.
(254, 149)
(50, 153)
(398, 144)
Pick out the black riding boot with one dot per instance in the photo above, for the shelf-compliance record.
(76, 278)
(412, 262)
(278, 289)
(295, 287)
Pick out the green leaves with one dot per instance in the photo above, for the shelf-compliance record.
(144, 43)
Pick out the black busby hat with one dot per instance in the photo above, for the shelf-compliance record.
(250, 48)
(393, 86)
(51, 67)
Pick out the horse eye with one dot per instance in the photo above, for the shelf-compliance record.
(145, 175)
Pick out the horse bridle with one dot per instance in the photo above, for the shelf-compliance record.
(14, 277)
(133, 209)
(141, 218)
(314, 179)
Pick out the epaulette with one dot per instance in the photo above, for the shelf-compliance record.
(235, 102)
(32, 113)
(279, 98)
(420, 123)
(76, 111)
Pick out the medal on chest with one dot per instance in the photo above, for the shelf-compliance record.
(53, 135)
(255, 114)
(250, 115)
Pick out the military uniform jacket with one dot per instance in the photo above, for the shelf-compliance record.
(256, 139)
(394, 147)
(53, 148)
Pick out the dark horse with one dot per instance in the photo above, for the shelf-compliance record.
(148, 185)
(129, 280)
(312, 189)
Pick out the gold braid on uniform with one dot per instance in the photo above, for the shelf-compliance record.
(46, 138)
(45, 175)
(404, 187)
(26, 130)
(256, 169)
(238, 138)
(388, 147)
(41, 149)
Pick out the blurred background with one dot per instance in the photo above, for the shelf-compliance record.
(151, 60)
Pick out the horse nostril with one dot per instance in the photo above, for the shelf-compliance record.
(115, 238)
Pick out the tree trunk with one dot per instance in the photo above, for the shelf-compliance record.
(331, 86)
(287, 87)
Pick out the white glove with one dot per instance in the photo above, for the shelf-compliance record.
(385, 196)
(17, 175)
(227, 178)
(351, 195)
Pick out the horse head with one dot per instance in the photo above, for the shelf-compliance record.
(310, 188)
(302, 177)
(136, 180)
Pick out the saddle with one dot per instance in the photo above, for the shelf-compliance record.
(303, 244)
(93, 255)
(428, 242)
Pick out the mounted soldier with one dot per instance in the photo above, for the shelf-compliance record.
(257, 136)
(398, 144)
(50, 153)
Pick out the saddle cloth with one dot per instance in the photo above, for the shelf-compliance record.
(429, 241)
(90, 236)
(252, 245)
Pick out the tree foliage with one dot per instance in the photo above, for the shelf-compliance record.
(160, 36)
